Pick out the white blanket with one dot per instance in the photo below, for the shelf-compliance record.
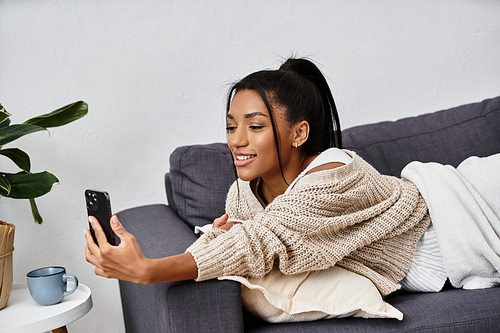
(464, 204)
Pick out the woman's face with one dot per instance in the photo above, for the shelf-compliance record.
(251, 139)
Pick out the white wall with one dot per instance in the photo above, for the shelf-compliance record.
(155, 73)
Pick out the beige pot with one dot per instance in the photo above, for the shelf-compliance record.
(6, 250)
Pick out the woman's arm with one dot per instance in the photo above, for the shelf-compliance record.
(127, 262)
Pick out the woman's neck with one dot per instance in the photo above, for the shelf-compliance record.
(268, 190)
(267, 193)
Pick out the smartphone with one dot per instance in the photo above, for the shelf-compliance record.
(99, 206)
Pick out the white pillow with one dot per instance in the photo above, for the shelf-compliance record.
(330, 293)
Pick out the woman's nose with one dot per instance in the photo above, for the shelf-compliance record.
(237, 138)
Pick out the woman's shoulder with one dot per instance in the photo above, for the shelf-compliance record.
(329, 159)
(327, 166)
(331, 173)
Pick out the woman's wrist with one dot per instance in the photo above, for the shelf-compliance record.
(146, 274)
(175, 268)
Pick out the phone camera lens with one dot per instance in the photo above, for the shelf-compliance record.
(92, 202)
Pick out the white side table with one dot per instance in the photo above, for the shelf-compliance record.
(23, 314)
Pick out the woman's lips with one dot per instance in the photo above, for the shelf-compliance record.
(242, 160)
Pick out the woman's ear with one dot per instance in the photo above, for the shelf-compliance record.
(301, 133)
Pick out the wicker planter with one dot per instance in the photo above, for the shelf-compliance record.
(6, 250)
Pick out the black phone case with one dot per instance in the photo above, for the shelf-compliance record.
(99, 206)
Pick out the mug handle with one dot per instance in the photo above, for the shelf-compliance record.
(70, 276)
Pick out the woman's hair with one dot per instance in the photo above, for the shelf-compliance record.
(298, 88)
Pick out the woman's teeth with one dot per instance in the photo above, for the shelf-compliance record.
(244, 158)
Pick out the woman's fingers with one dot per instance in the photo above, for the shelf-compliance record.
(228, 225)
(91, 248)
(124, 262)
(98, 232)
(219, 222)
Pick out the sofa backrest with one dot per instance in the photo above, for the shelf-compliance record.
(200, 175)
(447, 137)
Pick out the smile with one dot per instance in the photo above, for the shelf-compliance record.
(244, 158)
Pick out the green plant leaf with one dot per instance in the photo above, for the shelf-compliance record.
(4, 186)
(19, 157)
(5, 123)
(14, 132)
(61, 116)
(34, 210)
(30, 185)
(4, 115)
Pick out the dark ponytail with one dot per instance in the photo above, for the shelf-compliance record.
(330, 118)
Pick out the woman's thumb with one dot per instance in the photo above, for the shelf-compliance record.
(117, 226)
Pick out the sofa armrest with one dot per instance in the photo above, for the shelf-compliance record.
(185, 306)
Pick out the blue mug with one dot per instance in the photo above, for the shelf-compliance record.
(48, 285)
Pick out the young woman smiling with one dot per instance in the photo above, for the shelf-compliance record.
(251, 137)
(300, 203)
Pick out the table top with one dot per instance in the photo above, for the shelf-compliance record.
(23, 314)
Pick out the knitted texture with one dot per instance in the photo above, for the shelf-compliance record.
(351, 216)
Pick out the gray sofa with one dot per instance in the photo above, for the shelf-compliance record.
(196, 186)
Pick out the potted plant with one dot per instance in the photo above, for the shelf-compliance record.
(25, 184)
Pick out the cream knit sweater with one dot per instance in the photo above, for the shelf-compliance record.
(349, 216)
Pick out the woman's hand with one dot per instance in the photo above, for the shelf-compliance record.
(221, 223)
(126, 261)
(123, 262)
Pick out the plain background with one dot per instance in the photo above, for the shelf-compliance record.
(155, 74)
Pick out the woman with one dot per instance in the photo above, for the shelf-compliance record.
(305, 204)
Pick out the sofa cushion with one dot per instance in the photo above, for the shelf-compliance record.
(200, 177)
(330, 293)
(447, 137)
(452, 310)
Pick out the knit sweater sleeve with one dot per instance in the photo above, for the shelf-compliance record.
(328, 215)
(247, 249)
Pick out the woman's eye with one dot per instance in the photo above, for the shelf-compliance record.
(256, 128)
(230, 129)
